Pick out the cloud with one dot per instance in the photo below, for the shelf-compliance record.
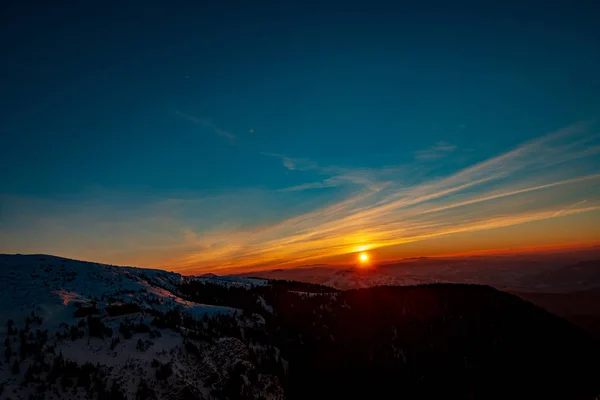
(294, 164)
(358, 177)
(377, 208)
(569, 208)
(328, 183)
(334, 175)
(205, 123)
(439, 150)
(519, 186)
(513, 193)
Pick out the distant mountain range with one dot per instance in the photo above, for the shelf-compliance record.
(78, 330)
(560, 272)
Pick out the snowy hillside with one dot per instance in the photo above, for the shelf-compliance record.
(55, 312)
(79, 330)
(56, 287)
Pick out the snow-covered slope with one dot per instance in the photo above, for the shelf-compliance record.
(77, 330)
(55, 312)
(56, 287)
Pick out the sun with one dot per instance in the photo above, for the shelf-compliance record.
(363, 257)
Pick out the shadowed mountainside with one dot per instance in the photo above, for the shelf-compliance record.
(581, 308)
(463, 341)
(78, 330)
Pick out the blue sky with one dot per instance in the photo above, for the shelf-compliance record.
(258, 113)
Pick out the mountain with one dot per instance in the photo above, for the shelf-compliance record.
(581, 308)
(78, 330)
(544, 273)
(433, 341)
(75, 329)
(576, 277)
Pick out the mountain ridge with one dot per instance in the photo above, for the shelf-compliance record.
(156, 334)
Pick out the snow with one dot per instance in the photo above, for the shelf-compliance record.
(230, 281)
(313, 294)
(261, 300)
(48, 290)
(55, 286)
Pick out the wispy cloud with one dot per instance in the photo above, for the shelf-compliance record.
(572, 206)
(439, 150)
(357, 177)
(513, 193)
(294, 164)
(327, 183)
(377, 208)
(207, 124)
(523, 185)
(334, 176)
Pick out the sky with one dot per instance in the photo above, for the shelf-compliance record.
(228, 136)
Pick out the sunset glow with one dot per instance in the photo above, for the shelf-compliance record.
(491, 204)
(326, 200)
(237, 160)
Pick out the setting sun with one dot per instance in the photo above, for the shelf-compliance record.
(363, 257)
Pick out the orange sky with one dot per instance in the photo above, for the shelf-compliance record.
(543, 193)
